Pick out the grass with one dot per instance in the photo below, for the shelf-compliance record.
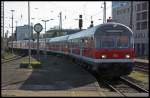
(34, 64)
(7, 55)
(140, 76)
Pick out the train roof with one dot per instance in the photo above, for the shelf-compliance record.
(60, 38)
(22, 41)
(84, 33)
(94, 30)
(48, 39)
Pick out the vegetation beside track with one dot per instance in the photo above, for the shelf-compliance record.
(34, 63)
(7, 55)
(140, 76)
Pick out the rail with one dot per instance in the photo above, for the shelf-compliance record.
(12, 58)
(124, 87)
(140, 67)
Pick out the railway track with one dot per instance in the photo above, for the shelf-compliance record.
(13, 58)
(123, 86)
(143, 68)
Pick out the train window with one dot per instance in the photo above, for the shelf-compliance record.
(107, 42)
(122, 41)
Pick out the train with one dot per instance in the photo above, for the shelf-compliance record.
(107, 49)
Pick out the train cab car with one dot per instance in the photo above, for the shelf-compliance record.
(108, 47)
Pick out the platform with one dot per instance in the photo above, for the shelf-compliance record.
(57, 77)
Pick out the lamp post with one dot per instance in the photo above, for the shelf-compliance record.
(32, 24)
(104, 13)
(29, 30)
(16, 31)
(12, 30)
(45, 33)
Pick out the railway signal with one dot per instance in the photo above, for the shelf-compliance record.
(80, 22)
(109, 20)
(91, 22)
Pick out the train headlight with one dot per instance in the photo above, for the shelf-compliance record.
(127, 56)
(103, 56)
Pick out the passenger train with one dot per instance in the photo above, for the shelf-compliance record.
(107, 48)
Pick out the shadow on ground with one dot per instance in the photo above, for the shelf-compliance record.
(57, 73)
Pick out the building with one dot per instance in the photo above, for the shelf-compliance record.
(117, 4)
(2, 27)
(2, 18)
(141, 29)
(22, 32)
(121, 12)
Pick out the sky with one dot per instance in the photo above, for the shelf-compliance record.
(46, 10)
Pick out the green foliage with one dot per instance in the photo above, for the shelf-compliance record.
(139, 76)
(6, 55)
(34, 64)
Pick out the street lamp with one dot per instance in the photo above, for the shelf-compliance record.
(32, 24)
(29, 33)
(45, 34)
(16, 30)
(12, 29)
